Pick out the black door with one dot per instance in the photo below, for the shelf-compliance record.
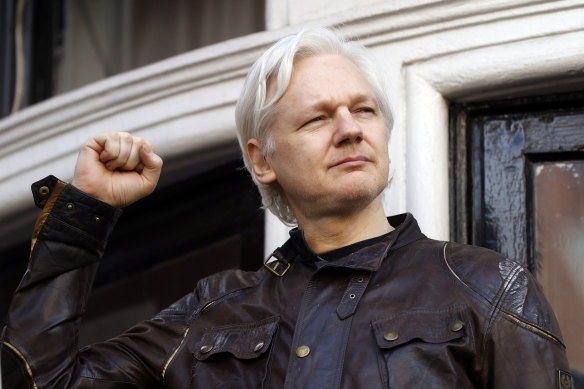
(517, 185)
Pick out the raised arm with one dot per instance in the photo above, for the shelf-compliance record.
(39, 344)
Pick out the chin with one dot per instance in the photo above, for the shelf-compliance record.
(359, 194)
(363, 184)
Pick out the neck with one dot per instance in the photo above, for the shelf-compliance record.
(329, 232)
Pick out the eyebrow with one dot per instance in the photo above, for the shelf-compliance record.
(356, 99)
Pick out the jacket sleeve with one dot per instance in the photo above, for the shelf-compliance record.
(39, 344)
(519, 340)
(523, 335)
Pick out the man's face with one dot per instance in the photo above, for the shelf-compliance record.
(330, 139)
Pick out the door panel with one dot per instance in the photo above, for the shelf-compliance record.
(558, 220)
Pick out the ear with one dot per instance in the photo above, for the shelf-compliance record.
(260, 162)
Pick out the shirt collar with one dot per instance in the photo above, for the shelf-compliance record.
(368, 258)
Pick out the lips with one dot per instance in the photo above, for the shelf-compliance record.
(351, 161)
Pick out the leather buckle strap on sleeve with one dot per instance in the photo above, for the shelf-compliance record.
(42, 190)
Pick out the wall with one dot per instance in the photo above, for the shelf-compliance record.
(433, 52)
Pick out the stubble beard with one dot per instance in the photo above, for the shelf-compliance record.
(358, 198)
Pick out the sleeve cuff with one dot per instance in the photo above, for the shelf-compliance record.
(76, 208)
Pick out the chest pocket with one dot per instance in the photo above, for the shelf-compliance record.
(234, 356)
(426, 348)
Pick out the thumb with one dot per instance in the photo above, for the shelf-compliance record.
(152, 164)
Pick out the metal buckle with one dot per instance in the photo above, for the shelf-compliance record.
(276, 266)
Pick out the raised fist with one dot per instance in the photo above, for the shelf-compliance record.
(117, 168)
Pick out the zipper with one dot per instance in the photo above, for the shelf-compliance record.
(205, 307)
(213, 302)
(533, 328)
(28, 369)
(173, 354)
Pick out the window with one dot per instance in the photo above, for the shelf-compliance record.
(70, 43)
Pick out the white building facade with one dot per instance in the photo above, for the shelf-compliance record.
(434, 52)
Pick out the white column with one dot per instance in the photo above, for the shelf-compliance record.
(427, 156)
(276, 233)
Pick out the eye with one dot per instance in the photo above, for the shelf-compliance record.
(315, 119)
(366, 110)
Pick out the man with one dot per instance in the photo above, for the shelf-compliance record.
(352, 300)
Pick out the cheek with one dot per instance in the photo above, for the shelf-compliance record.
(290, 163)
(304, 149)
(383, 154)
(381, 145)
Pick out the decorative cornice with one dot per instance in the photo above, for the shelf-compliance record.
(185, 104)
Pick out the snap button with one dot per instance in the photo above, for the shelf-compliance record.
(302, 351)
(390, 336)
(44, 190)
(70, 206)
(97, 219)
(258, 346)
(206, 348)
(456, 326)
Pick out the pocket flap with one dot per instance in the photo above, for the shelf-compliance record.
(438, 326)
(243, 341)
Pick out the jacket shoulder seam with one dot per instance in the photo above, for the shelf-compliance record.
(500, 310)
(463, 282)
(210, 301)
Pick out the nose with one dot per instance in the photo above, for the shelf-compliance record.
(347, 129)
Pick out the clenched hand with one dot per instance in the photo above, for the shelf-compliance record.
(117, 168)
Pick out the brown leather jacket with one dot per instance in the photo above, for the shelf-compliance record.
(407, 312)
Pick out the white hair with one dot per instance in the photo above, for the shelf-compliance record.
(254, 113)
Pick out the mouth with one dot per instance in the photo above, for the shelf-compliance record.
(351, 161)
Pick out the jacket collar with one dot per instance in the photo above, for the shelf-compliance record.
(368, 258)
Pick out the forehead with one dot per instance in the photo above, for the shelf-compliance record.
(326, 66)
(322, 78)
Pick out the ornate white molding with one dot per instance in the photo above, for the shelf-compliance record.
(434, 52)
(184, 105)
